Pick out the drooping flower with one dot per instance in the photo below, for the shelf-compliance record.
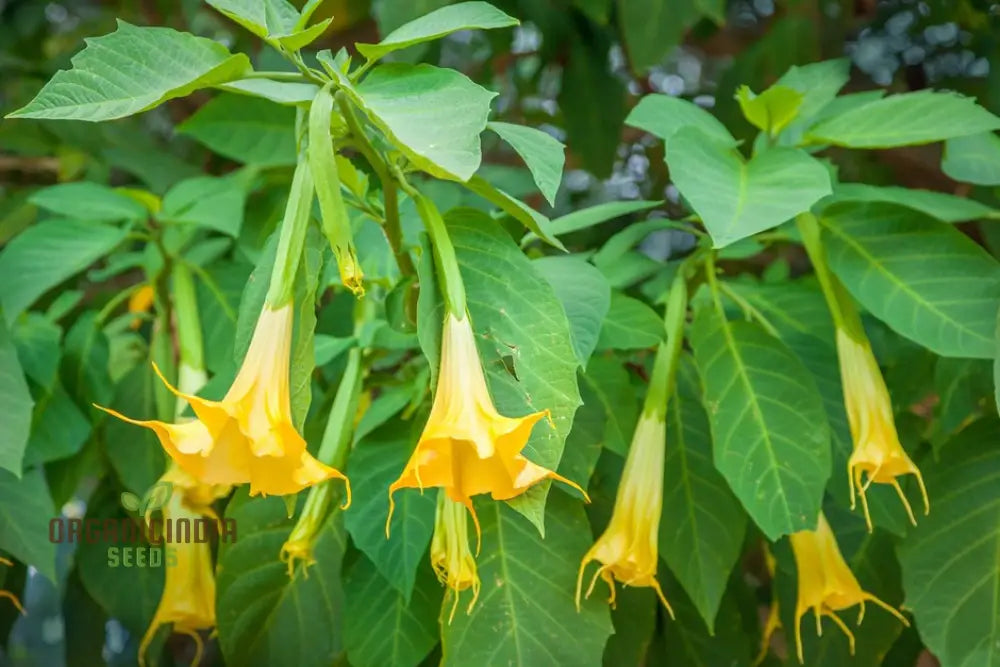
(467, 447)
(826, 583)
(7, 594)
(188, 600)
(627, 550)
(878, 455)
(248, 436)
(451, 557)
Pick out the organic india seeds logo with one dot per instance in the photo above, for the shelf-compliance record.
(144, 540)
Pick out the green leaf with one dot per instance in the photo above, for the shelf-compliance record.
(772, 110)
(46, 254)
(374, 611)
(926, 280)
(736, 198)
(527, 216)
(433, 115)
(914, 118)
(525, 614)
(940, 205)
(630, 325)
(131, 70)
(608, 383)
(686, 642)
(59, 430)
(134, 452)
(266, 617)
(128, 594)
(544, 155)
(97, 202)
(653, 28)
(246, 129)
(799, 314)
(25, 511)
(38, 348)
(960, 385)
(15, 405)
(375, 463)
(592, 99)
(703, 524)
(818, 83)
(437, 24)
(949, 559)
(86, 361)
(594, 215)
(770, 435)
(996, 364)
(520, 322)
(663, 116)
(585, 296)
(974, 158)
(276, 21)
(206, 201)
(281, 92)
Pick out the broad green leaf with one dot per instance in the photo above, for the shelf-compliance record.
(206, 201)
(15, 405)
(961, 385)
(128, 594)
(524, 340)
(38, 348)
(25, 511)
(663, 116)
(586, 440)
(391, 14)
(919, 117)
(772, 110)
(629, 325)
(376, 462)
(595, 215)
(926, 280)
(433, 115)
(940, 205)
(59, 430)
(686, 642)
(134, 452)
(281, 92)
(634, 618)
(437, 24)
(592, 100)
(48, 253)
(614, 251)
(651, 29)
(544, 155)
(276, 21)
(246, 129)
(974, 159)
(131, 70)
(799, 314)
(596, 10)
(870, 558)
(585, 296)
(736, 198)
(818, 83)
(770, 436)
(375, 612)
(996, 364)
(525, 614)
(536, 222)
(266, 617)
(93, 200)
(702, 525)
(608, 384)
(949, 560)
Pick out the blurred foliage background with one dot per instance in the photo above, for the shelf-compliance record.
(573, 68)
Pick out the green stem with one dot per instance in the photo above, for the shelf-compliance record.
(668, 354)
(293, 235)
(842, 308)
(340, 424)
(188, 320)
(449, 275)
(296, 77)
(391, 223)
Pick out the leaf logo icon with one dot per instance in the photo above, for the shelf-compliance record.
(130, 501)
(156, 497)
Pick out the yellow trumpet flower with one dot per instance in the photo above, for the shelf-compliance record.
(627, 550)
(826, 583)
(188, 600)
(451, 557)
(877, 453)
(248, 436)
(7, 594)
(467, 447)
